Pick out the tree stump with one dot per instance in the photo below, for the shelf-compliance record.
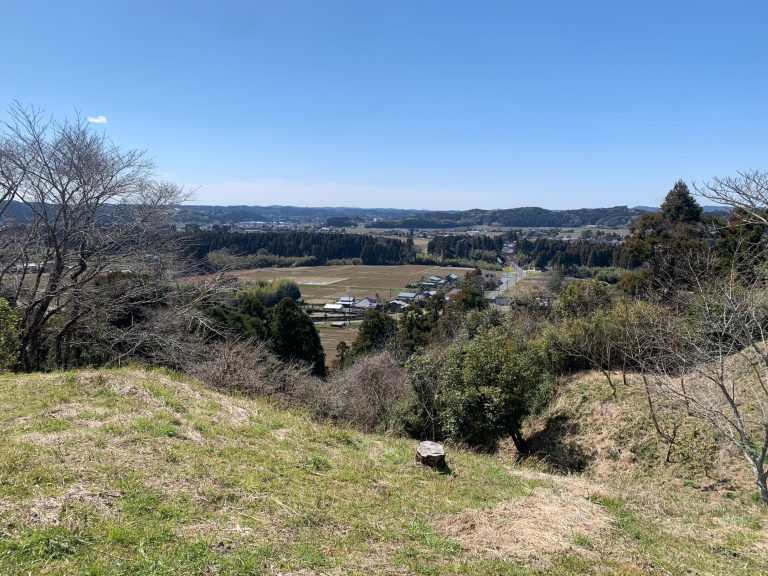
(430, 454)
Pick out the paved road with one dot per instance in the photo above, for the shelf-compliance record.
(508, 279)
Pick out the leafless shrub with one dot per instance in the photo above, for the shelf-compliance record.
(250, 368)
(365, 393)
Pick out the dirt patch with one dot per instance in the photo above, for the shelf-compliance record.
(193, 435)
(236, 415)
(282, 433)
(52, 510)
(532, 528)
(46, 439)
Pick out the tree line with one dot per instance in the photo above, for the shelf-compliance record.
(317, 247)
(473, 247)
(616, 216)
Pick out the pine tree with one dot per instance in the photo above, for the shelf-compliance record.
(680, 206)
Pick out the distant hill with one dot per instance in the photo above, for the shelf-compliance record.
(617, 216)
(199, 214)
(612, 217)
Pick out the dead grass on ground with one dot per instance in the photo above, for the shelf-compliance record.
(534, 528)
(55, 510)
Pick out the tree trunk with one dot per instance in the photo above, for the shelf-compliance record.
(519, 442)
(607, 375)
(761, 477)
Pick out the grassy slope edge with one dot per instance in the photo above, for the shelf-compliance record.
(136, 472)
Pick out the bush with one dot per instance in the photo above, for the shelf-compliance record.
(250, 368)
(491, 384)
(482, 386)
(366, 393)
(269, 293)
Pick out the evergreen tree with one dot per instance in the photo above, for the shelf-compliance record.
(375, 331)
(294, 336)
(680, 206)
(670, 243)
(413, 330)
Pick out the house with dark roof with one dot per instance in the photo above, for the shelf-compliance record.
(366, 304)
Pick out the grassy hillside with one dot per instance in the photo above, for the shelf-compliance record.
(133, 472)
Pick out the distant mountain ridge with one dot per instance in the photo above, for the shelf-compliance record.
(616, 216)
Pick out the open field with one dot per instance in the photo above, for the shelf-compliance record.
(532, 281)
(320, 284)
(331, 336)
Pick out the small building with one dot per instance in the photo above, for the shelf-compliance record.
(452, 277)
(452, 293)
(397, 306)
(406, 296)
(333, 307)
(366, 304)
(346, 301)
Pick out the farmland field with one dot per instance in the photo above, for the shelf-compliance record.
(330, 337)
(321, 284)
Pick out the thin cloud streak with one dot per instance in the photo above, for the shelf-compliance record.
(100, 119)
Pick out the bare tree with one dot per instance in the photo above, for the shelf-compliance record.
(713, 361)
(747, 192)
(91, 213)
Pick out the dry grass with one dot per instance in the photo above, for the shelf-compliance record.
(330, 337)
(535, 528)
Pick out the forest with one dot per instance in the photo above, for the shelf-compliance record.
(314, 248)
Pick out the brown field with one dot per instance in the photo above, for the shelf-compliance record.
(330, 338)
(321, 284)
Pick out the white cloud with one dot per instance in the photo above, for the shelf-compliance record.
(100, 119)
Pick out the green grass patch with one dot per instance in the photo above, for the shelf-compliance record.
(274, 492)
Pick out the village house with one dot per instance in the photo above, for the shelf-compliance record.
(407, 296)
(366, 304)
(397, 306)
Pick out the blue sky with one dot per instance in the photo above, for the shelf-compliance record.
(407, 103)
